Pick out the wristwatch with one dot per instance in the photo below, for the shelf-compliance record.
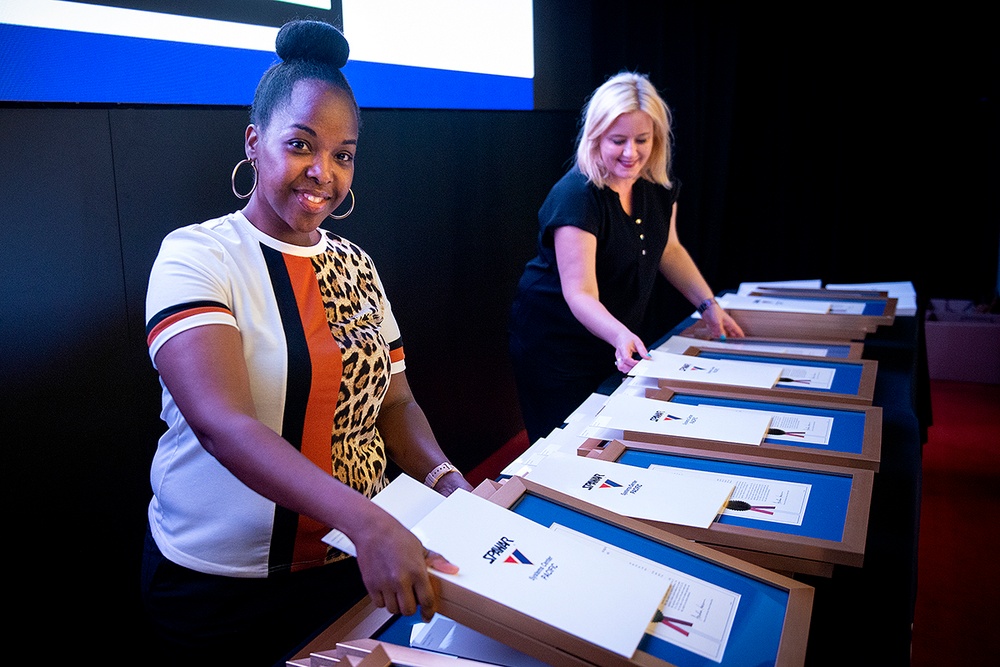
(434, 476)
(706, 304)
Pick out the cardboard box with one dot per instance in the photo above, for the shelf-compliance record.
(962, 344)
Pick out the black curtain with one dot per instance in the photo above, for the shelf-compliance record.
(847, 142)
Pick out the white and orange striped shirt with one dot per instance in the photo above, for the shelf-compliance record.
(320, 342)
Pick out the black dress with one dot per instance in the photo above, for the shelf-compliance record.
(558, 363)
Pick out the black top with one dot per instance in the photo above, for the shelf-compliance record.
(627, 262)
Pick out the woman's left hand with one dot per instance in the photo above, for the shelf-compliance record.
(720, 323)
(450, 482)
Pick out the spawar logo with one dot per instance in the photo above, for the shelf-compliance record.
(497, 551)
(517, 557)
(599, 481)
(691, 367)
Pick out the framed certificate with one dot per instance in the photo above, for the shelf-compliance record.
(801, 429)
(790, 516)
(851, 316)
(876, 305)
(757, 616)
(823, 379)
(836, 349)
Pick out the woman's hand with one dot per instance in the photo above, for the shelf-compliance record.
(394, 566)
(629, 349)
(450, 482)
(720, 323)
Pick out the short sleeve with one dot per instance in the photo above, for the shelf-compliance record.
(390, 330)
(571, 202)
(188, 287)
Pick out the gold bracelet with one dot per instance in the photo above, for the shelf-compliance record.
(435, 475)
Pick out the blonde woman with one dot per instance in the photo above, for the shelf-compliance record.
(607, 229)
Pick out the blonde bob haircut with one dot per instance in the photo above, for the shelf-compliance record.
(624, 93)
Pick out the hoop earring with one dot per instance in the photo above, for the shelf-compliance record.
(349, 211)
(232, 179)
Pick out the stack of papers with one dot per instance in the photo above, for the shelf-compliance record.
(903, 291)
(561, 442)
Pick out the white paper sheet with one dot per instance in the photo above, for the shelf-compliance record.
(404, 498)
(582, 426)
(678, 344)
(443, 635)
(812, 377)
(847, 307)
(729, 372)
(774, 304)
(560, 443)
(545, 575)
(697, 615)
(650, 415)
(902, 291)
(897, 289)
(771, 500)
(793, 427)
(747, 288)
(640, 493)
(586, 410)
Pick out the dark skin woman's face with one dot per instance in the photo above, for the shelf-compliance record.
(305, 162)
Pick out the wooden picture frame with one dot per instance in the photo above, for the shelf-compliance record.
(365, 652)
(835, 523)
(855, 440)
(878, 304)
(835, 349)
(773, 617)
(366, 621)
(855, 385)
(880, 310)
(617, 529)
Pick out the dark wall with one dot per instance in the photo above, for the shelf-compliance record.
(446, 205)
(847, 142)
(809, 147)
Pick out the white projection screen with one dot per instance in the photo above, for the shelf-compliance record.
(431, 54)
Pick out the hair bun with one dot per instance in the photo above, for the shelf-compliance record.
(312, 40)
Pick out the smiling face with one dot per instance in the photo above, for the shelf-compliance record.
(305, 162)
(625, 147)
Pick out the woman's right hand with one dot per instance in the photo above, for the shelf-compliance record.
(629, 349)
(394, 564)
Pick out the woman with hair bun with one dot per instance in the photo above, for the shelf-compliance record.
(607, 228)
(284, 394)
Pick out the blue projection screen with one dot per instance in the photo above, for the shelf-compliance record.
(433, 54)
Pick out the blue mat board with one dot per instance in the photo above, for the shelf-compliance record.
(826, 512)
(760, 615)
(846, 435)
(846, 377)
